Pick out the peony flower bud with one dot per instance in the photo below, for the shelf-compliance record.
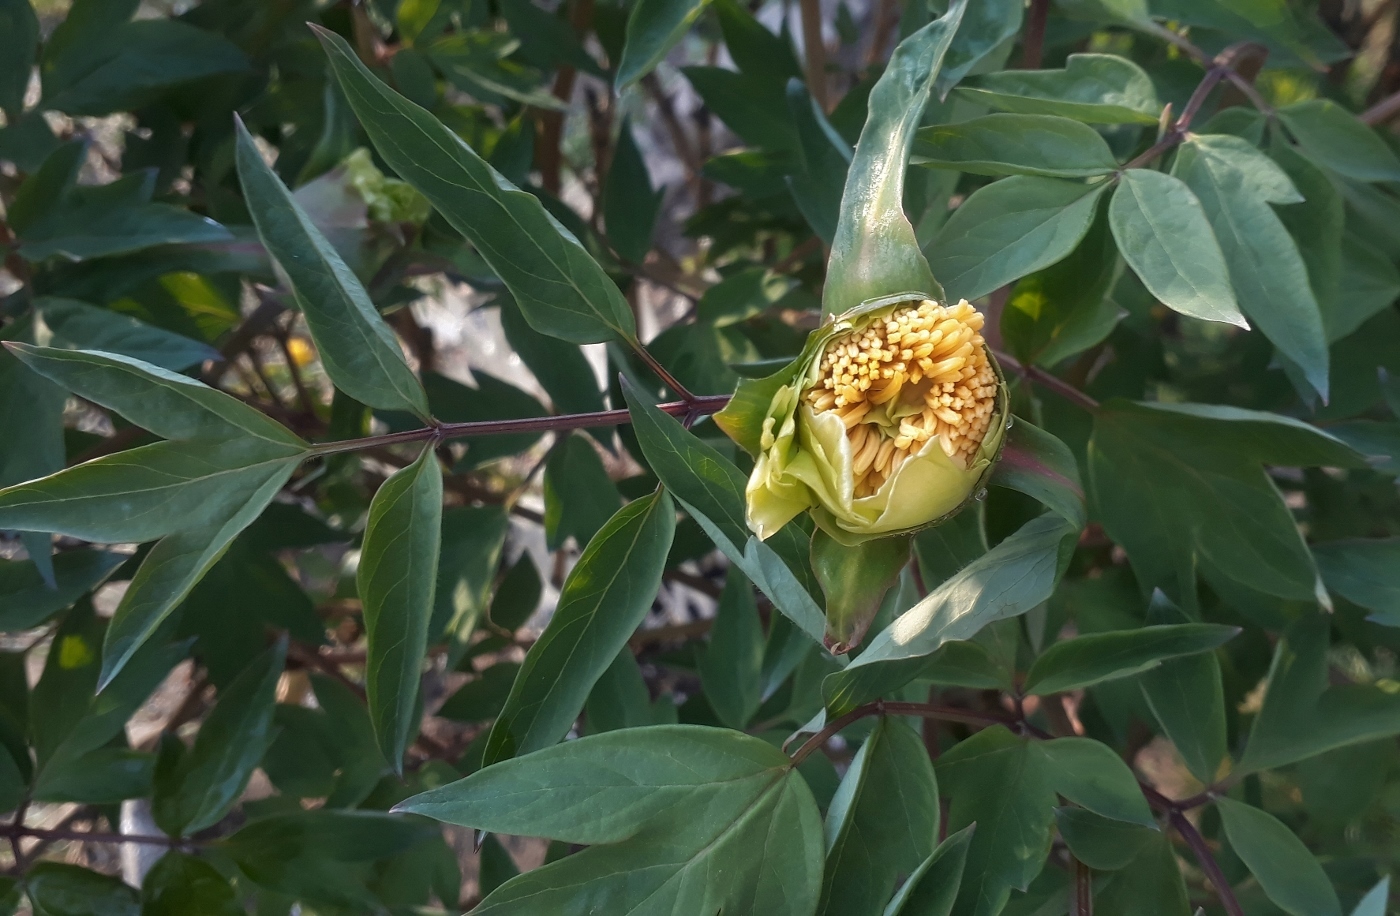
(888, 422)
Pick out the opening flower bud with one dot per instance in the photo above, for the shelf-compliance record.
(888, 422)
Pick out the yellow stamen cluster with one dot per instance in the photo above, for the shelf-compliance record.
(921, 373)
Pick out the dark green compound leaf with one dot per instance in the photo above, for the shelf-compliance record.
(630, 204)
(518, 595)
(882, 822)
(1335, 138)
(1301, 716)
(320, 855)
(1009, 229)
(932, 888)
(1364, 572)
(396, 577)
(1036, 463)
(875, 252)
(1186, 695)
(560, 289)
(998, 782)
(1150, 885)
(210, 778)
(1093, 88)
(26, 600)
(1163, 234)
(19, 43)
(1085, 660)
(182, 885)
(1102, 843)
(731, 667)
(605, 598)
(57, 889)
(663, 810)
(77, 325)
(361, 354)
(653, 28)
(1015, 144)
(1235, 184)
(1015, 576)
(1157, 470)
(579, 497)
(1284, 867)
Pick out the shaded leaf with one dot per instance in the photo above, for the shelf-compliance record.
(1283, 865)
(653, 28)
(26, 600)
(579, 498)
(630, 204)
(732, 664)
(1094, 88)
(1015, 144)
(1091, 774)
(1102, 843)
(1333, 137)
(57, 889)
(1084, 660)
(1036, 463)
(932, 888)
(1365, 572)
(180, 885)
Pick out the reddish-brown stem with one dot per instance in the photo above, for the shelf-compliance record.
(814, 50)
(883, 707)
(17, 832)
(1206, 859)
(1048, 381)
(1034, 41)
(706, 404)
(663, 374)
(1081, 901)
(1382, 111)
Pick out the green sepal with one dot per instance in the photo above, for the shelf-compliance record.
(855, 580)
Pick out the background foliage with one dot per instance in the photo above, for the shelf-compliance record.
(339, 333)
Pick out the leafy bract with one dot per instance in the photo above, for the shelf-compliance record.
(875, 252)
(662, 809)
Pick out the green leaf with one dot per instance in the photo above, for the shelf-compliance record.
(26, 600)
(1015, 144)
(19, 43)
(1091, 774)
(662, 809)
(1369, 284)
(1186, 695)
(1084, 660)
(361, 354)
(875, 252)
(882, 822)
(1235, 183)
(997, 781)
(620, 698)
(579, 498)
(604, 599)
(630, 204)
(560, 367)
(1094, 88)
(1015, 576)
(481, 699)
(653, 28)
(1317, 225)
(1036, 463)
(518, 595)
(742, 295)
(823, 161)
(170, 405)
(396, 577)
(77, 325)
(855, 580)
(57, 889)
(1163, 234)
(1102, 843)
(1150, 885)
(1373, 904)
(711, 490)
(1286, 870)
(1009, 229)
(1333, 137)
(1178, 464)
(126, 67)
(561, 290)
(982, 41)
(210, 778)
(319, 855)
(472, 540)
(932, 889)
(1365, 573)
(732, 664)
(1301, 717)
(181, 885)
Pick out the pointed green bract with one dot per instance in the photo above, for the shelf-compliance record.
(875, 252)
(360, 353)
(396, 577)
(561, 290)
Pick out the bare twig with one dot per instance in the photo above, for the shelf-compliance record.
(1048, 381)
(814, 49)
(1382, 111)
(1034, 41)
(1081, 901)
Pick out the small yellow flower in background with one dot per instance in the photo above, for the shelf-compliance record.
(888, 422)
(301, 351)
